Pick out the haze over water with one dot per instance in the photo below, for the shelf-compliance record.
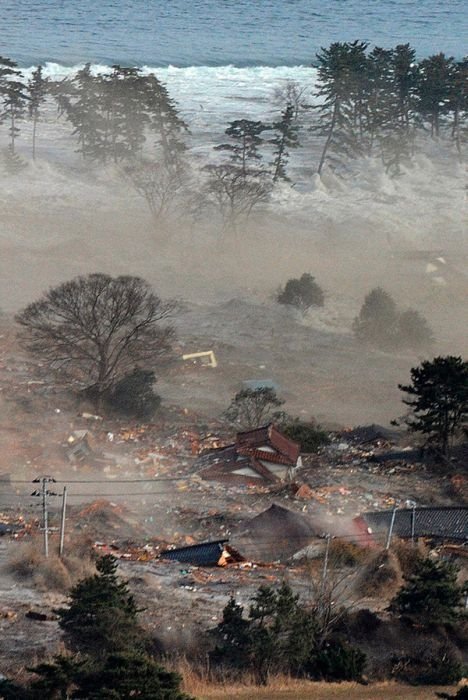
(221, 32)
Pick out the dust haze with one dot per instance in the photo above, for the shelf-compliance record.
(406, 236)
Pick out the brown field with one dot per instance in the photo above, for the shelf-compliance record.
(324, 691)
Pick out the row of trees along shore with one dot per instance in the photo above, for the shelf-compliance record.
(378, 103)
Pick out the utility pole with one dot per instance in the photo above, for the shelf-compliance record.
(325, 562)
(44, 493)
(62, 521)
(390, 529)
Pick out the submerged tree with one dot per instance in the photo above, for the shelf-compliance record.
(98, 328)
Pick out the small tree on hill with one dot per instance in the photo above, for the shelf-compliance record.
(438, 399)
(430, 596)
(251, 408)
(302, 293)
(377, 320)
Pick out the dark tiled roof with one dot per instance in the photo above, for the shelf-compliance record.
(204, 554)
(450, 523)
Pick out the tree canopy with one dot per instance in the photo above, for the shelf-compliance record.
(438, 400)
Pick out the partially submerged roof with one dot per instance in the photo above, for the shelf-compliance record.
(203, 554)
(445, 523)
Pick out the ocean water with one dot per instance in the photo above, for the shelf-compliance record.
(221, 32)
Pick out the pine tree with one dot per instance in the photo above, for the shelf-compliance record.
(13, 98)
(436, 75)
(285, 139)
(37, 88)
(438, 400)
(340, 91)
(244, 151)
(430, 596)
(128, 675)
(102, 616)
(458, 104)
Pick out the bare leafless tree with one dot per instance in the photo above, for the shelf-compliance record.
(163, 186)
(97, 328)
(235, 193)
(292, 93)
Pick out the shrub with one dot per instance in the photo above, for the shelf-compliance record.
(380, 323)
(344, 553)
(133, 396)
(413, 331)
(302, 293)
(308, 435)
(434, 667)
(338, 661)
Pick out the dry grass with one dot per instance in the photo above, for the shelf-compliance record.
(325, 691)
(196, 683)
(27, 563)
(381, 577)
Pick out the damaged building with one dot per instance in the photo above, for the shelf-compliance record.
(261, 456)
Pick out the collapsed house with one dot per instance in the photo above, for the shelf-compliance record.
(260, 456)
(444, 524)
(275, 535)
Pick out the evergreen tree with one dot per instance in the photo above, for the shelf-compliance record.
(14, 98)
(340, 91)
(56, 678)
(438, 399)
(430, 596)
(279, 635)
(102, 616)
(244, 151)
(165, 122)
(458, 104)
(436, 75)
(37, 88)
(284, 139)
(128, 675)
